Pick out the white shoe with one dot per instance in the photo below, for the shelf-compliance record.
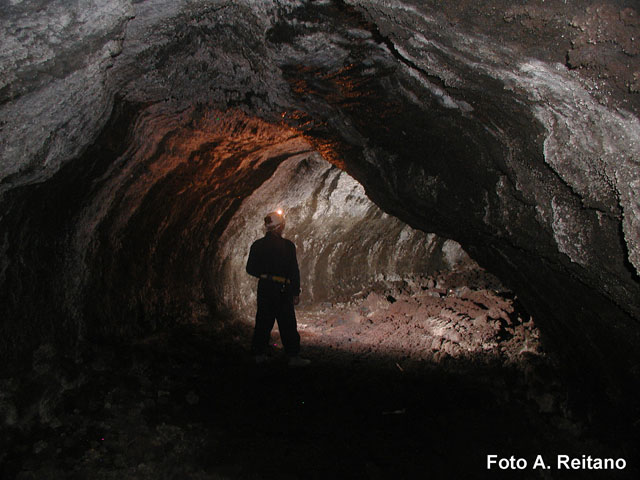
(298, 362)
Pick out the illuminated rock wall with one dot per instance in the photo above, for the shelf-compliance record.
(345, 243)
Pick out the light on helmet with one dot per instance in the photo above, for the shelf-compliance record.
(274, 220)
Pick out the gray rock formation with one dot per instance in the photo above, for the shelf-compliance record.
(131, 133)
(345, 244)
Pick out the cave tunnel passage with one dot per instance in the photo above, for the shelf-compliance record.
(466, 129)
(142, 142)
(371, 284)
(415, 347)
(160, 237)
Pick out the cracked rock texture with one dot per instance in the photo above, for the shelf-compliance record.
(131, 133)
(345, 244)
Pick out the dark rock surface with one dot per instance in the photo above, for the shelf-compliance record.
(133, 136)
(187, 403)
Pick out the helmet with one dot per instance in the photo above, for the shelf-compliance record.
(273, 220)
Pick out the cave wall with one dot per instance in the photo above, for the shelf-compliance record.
(509, 127)
(345, 243)
(117, 242)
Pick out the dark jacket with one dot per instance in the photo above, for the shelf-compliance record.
(274, 255)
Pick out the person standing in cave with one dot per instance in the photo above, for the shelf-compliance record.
(272, 259)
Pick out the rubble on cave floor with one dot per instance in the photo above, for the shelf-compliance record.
(462, 314)
(455, 320)
(428, 319)
(405, 376)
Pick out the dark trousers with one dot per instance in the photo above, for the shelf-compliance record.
(275, 304)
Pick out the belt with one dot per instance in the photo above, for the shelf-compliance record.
(275, 278)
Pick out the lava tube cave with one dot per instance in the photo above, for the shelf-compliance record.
(460, 180)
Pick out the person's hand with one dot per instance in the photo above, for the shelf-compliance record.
(296, 300)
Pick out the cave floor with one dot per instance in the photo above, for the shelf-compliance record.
(190, 403)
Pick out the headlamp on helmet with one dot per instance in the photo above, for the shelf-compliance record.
(273, 220)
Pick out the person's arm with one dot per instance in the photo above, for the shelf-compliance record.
(253, 267)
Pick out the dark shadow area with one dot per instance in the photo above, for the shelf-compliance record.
(37, 224)
(190, 403)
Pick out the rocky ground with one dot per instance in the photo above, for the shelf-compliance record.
(412, 379)
(429, 319)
